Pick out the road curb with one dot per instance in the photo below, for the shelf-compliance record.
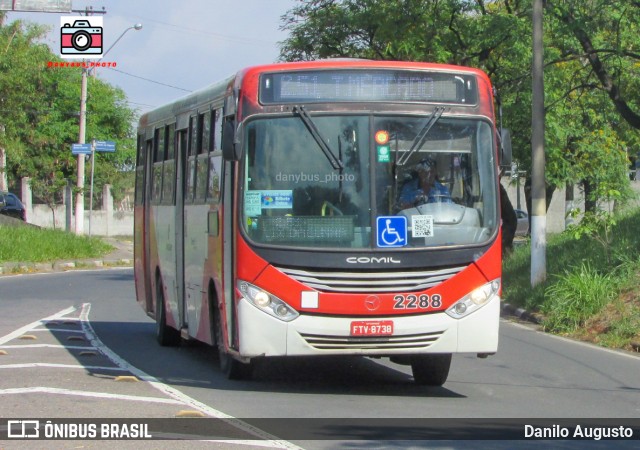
(521, 313)
(16, 268)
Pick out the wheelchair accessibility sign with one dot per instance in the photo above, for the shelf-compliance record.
(391, 231)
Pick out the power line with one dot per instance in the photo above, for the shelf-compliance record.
(240, 40)
(140, 104)
(150, 81)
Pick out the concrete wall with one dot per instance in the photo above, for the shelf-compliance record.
(557, 220)
(106, 221)
(556, 215)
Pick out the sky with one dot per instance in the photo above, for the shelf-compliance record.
(183, 45)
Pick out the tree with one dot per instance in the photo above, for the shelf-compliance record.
(607, 33)
(588, 52)
(40, 112)
(592, 81)
(488, 36)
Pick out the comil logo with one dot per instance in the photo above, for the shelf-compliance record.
(80, 37)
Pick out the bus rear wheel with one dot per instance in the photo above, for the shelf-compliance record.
(165, 335)
(230, 367)
(431, 370)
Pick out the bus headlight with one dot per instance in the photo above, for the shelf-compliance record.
(474, 300)
(267, 302)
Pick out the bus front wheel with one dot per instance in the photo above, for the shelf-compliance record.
(431, 370)
(230, 367)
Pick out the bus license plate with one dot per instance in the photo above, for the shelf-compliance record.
(372, 328)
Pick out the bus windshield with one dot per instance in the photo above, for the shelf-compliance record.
(438, 179)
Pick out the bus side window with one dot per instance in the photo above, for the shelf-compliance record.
(202, 160)
(191, 163)
(158, 157)
(140, 171)
(215, 176)
(169, 172)
(205, 131)
(215, 158)
(217, 129)
(202, 170)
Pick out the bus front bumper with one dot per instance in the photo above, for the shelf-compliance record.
(265, 335)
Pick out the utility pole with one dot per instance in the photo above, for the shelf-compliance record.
(538, 191)
(79, 223)
(81, 140)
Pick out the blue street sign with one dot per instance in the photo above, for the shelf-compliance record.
(81, 149)
(105, 146)
(391, 231)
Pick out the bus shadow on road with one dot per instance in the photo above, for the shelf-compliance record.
(353, 375)
(194, 364)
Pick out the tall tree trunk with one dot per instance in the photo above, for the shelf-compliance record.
(509, 221)
(589, 202)
(568, 205)
(549, 190)
(3, 170)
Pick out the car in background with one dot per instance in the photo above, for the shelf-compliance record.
(10, 205)
(523, 223)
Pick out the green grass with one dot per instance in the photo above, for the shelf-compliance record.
(33, 245)
(576, 296)
(591, 287)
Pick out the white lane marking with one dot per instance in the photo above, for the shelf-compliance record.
(268, 444)
(58, 366)
(66, 347)
(63, 320)
(49, 390)
(174, 393)
(57, 330)
(235, 442)
(20, 331)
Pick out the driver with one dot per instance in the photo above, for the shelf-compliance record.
(424, 187)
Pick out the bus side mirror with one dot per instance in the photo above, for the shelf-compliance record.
(230, 146)
(505, 148)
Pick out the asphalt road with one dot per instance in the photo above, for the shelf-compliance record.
(82, 360)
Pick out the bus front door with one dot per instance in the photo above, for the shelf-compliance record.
(181, 151)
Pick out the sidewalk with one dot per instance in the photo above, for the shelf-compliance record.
(120, 256)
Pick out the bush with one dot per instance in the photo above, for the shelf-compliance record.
(576, 296)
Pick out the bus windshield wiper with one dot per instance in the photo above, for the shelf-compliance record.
(422, 135)
(335, 162)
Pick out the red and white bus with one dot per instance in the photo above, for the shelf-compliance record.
(277, 215)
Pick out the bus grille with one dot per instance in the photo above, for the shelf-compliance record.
(324, 342)
(369, 281)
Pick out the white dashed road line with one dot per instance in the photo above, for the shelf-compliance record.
(60, 366)
(172, 392)
(20, 331)
(48, 390)
(175, 397)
